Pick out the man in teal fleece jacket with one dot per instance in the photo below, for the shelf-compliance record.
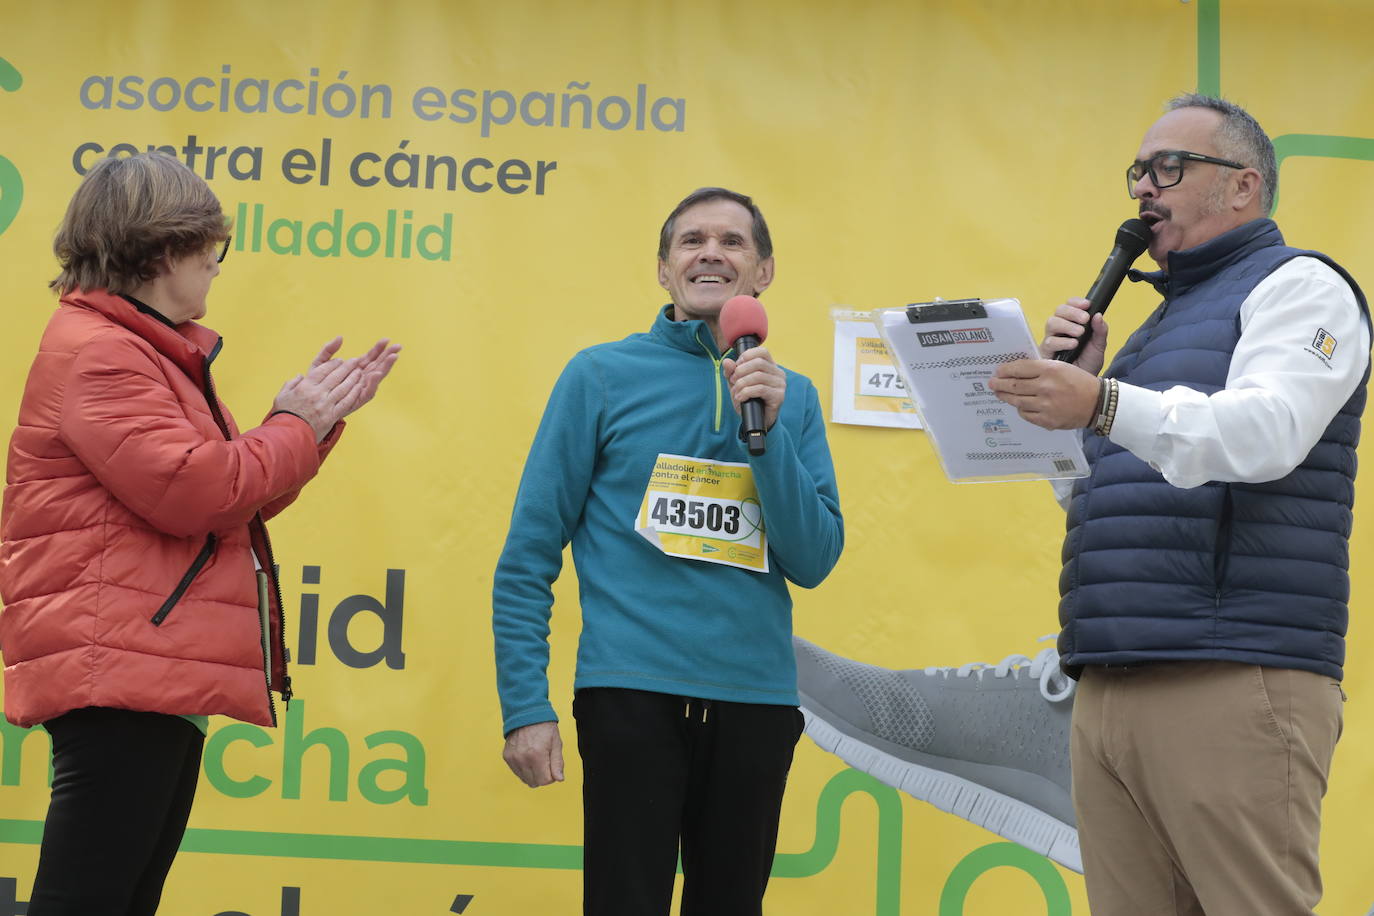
(685, 694)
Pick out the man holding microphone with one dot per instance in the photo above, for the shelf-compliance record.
(685, 691)
(1205, 586)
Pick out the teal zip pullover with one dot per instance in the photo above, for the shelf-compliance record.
(651, 621)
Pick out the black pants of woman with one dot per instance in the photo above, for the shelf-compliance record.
(123, 783)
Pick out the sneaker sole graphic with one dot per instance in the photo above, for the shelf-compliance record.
(1007, 817)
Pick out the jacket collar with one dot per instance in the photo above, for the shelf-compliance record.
(148, 310)
(692, 336)
(1192, 266)
(189, 345)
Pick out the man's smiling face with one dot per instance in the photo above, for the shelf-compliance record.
(712, 257)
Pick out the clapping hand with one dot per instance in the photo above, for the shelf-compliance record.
(334, 388)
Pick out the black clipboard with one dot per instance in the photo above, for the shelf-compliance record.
(946, 310)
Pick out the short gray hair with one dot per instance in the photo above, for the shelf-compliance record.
(763, 241)
(1240, 138)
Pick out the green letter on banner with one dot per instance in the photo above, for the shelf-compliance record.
(997, 854)
(215, 747)
(11, 183)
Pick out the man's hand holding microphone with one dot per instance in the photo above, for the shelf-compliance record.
(1061, 390)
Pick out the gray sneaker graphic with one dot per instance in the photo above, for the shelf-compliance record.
(987, 743)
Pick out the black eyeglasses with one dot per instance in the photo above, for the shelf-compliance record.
(224, 249)
(1165, 168)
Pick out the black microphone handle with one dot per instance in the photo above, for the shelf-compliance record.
(751, 411)
(1100, 296)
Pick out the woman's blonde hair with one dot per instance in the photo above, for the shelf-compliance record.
(129, 214)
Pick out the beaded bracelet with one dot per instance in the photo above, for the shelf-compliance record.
(1106, 411)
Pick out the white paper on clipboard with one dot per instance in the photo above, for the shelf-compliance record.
(946, 352)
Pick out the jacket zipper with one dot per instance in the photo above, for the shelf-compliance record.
(213, 400)
(286, 692)
(196, 565)
(1221, 548)
(715, 362)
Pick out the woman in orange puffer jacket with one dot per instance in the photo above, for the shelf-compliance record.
(137, 577)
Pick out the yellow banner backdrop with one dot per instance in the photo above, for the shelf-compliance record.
(484, 184)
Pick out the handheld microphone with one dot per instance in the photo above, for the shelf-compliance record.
(1131, 239)
(743, 321)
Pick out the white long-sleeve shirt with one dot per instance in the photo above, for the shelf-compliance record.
(1303, 349)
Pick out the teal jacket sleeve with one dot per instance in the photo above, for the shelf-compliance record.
(548, 503)
(795, 479)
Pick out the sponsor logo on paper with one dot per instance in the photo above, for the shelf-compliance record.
(954, 336)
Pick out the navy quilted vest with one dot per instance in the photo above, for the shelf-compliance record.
(1254, 573)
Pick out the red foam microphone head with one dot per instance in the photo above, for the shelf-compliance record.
(743, 316)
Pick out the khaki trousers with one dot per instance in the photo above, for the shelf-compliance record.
(1198, 787)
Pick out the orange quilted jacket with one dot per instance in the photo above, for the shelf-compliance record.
(133, 509)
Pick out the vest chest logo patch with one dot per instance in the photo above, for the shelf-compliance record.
(1324, 343)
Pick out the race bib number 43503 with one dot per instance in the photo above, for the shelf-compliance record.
(704, 510)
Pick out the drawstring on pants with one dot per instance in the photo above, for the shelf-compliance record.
(703, 706)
